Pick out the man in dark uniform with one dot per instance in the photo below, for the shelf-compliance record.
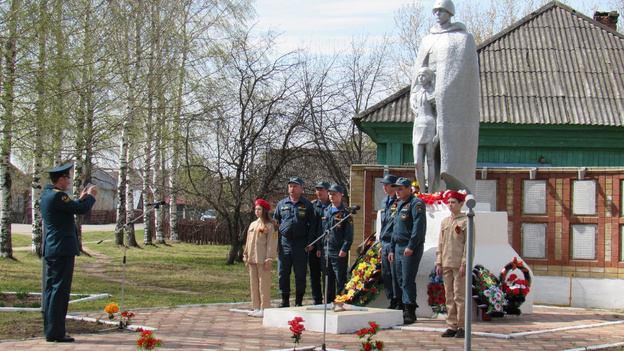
(316, 264)
(60, 248)
(297, 221)
(408, 243)
(388, 269)
(340, 240)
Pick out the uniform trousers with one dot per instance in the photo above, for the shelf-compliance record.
(316, 268)
(407, 268)
(455, 291)
(60, 271)
(389, 274)
(292, 257)
(260, 282)
(336, 275)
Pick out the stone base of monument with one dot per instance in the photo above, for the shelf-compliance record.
(492, 250)
(348, 321)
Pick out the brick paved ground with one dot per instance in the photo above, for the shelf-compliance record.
(215, 327)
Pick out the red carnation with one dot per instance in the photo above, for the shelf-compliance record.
(368, 347)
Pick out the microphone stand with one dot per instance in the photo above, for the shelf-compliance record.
(326, 235)
(123, 271)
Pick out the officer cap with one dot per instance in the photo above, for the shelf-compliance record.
(446, 5)
(295, 179)
(406, 182)
(322, 184)
(338, 188)
(60, 170)
(389, 179)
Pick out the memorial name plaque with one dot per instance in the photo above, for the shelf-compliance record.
(534, 240)
(584, 242)
(584, 197)
(486, 192)
(535, 196)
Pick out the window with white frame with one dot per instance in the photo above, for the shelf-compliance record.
(534, 240)
(583, 241)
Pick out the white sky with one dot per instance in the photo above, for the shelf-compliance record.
(328, 24)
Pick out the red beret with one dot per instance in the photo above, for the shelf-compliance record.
(454, 194)
(262, 203)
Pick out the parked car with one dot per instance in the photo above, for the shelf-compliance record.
(210, 214)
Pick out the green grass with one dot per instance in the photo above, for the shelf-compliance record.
(156, 276)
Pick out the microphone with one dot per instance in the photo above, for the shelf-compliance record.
(157, 203)
(353, 208)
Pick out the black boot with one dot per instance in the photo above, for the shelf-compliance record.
(409, 314)
(299, 300)
(394, 303)
(400, 306)
(285, 301)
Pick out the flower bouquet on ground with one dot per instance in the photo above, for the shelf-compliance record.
(365, 282)
(368, 333)
(436, 296)
(111, 309)
(487, 292)
(515, 289)
(147, 341)
(297, 328)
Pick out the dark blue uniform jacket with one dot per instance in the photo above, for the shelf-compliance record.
(410, 223)
(58, 211)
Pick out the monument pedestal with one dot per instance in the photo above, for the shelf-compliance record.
(492, 251)
(342, 322)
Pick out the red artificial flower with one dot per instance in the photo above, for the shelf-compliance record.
(363, 331)
(368, 347)
(374, 325)
(379, 345)
(457, 229)
(512, 277)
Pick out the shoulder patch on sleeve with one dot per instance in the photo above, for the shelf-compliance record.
(420, 207)
(65, 198)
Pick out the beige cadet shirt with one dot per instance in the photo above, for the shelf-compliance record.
(261, 243)
(451, 251)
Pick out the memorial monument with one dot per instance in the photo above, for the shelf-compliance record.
(451, 54)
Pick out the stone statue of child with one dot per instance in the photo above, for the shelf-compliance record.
(424, 136)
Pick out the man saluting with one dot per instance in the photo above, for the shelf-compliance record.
(60, 248)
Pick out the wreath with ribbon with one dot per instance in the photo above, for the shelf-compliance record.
(487, 292)
(515, 289)
(436, 295)
(365, 282)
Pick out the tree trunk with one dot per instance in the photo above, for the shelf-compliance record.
(8, 97)
(37, 188)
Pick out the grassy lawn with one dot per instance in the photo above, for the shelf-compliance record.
(156, 276)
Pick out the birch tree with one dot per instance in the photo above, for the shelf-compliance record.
(7, 99)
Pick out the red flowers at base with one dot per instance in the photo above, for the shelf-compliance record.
(296, 328)
(147, 341)
(369, 344)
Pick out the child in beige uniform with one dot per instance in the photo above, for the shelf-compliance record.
(451, 263)
(259, 254)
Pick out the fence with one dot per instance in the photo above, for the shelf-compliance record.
(201, 232)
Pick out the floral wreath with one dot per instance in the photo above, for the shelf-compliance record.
(487, 292)
(363, 287)
(436, 295)
(515, 289)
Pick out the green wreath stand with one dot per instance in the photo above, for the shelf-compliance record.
(515, 300)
